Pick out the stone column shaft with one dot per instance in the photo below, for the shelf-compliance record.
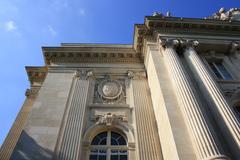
(202, 138)
(222, 111)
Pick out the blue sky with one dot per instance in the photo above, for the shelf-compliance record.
(26, 25)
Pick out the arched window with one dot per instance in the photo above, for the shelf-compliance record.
(108, 145)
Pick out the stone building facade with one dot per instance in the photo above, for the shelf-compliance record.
(173, 94)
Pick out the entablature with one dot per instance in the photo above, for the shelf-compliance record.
(90, 54)
(36, 75)
(208, 31)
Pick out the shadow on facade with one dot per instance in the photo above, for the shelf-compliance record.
(28, 149)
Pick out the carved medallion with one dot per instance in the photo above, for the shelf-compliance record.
(109, 91)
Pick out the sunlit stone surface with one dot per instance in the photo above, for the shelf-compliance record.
(172, 94)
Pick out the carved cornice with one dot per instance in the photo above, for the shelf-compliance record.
(36, 75)
(90, 55)
(177, 25)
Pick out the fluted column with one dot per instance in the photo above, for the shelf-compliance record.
(202, 138)
(223, 113)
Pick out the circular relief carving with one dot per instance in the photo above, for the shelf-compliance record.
(110, 89)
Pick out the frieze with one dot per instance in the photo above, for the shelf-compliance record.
(88, 57)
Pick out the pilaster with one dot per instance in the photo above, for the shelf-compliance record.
(71, 138)
(147, 137)
(36, 78)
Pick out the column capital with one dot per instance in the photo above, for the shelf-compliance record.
(83, 74)
(32, 92)
(189, 43)
(168, 42)
(136, 75)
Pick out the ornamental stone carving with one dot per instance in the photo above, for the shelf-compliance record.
(235, 47)
(186, 43)
(110, 119)
(82, 74)
(233, 14)
(168, 42)
(159, 14)
(109, 91)
(137, 75)
(32, 92)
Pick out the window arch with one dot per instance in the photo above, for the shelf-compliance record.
(108, 145)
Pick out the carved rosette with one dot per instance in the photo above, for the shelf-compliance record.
(110, 91)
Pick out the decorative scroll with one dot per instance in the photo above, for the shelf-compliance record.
(82, 74)
(137, 75)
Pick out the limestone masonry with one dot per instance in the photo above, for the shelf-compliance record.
(173, 94)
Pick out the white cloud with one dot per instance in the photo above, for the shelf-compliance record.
(52, 31)
(82, 12)
(10, 26)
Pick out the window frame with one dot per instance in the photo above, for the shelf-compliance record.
(213, 61)
(109, 147)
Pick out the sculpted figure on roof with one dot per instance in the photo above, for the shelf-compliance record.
(233, 14)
